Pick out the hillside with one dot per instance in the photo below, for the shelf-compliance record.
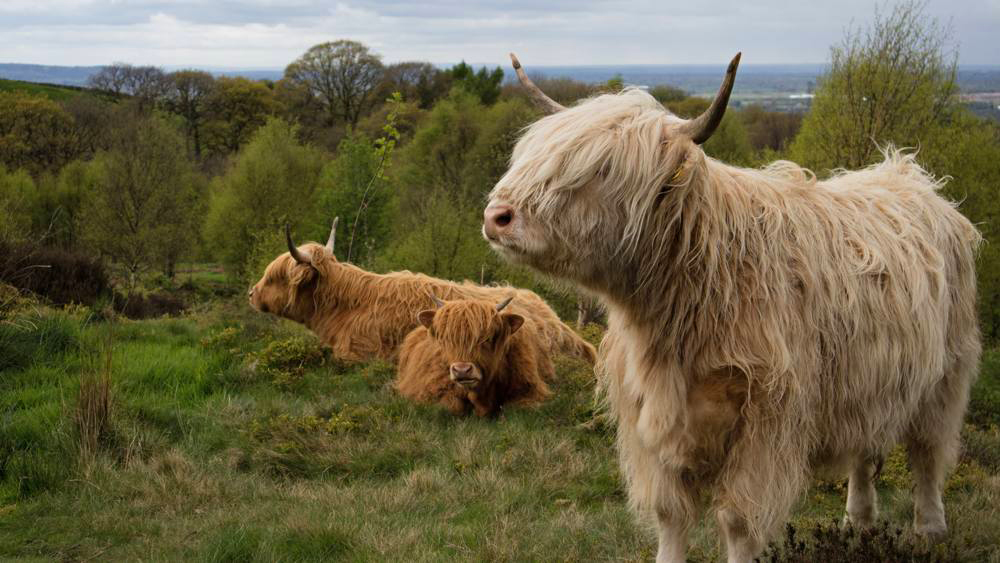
(55, 92)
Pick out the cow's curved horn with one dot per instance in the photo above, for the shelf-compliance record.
(702, 127)
(504, 303)
(333, 235)
(292, 249)
(437, 302)
(547, 104)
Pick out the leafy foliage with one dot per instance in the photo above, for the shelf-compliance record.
(484, 84)
(142, 205)
(271, 181)
(35, 133)
(342, 74)
(235, 108)
(889, 83)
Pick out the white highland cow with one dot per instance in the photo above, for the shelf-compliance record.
(762, 324)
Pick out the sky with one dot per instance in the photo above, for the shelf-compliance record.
(269, 34)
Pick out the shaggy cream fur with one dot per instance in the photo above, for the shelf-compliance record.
(762, 324)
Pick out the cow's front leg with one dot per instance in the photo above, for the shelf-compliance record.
(672, 539)
(862, 499)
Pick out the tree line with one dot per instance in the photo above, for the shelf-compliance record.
(153, 168)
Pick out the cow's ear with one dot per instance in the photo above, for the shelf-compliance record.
(426, 317)
(302, 274)
(513, 321)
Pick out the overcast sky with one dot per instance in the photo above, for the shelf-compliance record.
(266, 34)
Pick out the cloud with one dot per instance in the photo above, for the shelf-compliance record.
(271, 33)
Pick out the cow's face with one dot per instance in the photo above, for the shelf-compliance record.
(473, 338)
(563, 206)
(287, 287)
(587, 183)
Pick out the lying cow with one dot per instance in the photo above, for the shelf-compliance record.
(362, 315)
(471, 354)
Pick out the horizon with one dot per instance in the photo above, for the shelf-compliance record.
(269, 34)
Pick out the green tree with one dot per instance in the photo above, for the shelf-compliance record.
(187, 95)
(484, 84)
(342, 74)
(93, 121)
(441, 179)
(235, 108)
(271, 181)
(17, 192)
(36, 133)
(891, 82)
(354, 187)
(143, 198)
(58, 204)
(145, 84)
(418, 82)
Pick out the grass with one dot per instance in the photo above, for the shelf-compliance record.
(54, 92)
(232, 437)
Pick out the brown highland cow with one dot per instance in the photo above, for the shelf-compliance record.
(362, 315)
(471, 354)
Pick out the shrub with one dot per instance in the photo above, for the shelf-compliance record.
(61, 276)
(832, 543)
(285, 361)
(148, 306)
(984, 401)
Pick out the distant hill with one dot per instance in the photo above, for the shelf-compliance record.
(696, 79)
(62, 75)
(57, 92)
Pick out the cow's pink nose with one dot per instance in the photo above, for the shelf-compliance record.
(496, 219)
(461, 369)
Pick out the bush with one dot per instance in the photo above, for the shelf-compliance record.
(984, 401)
(285, 361)
(61, 276)
(831, 543)
(149, 306)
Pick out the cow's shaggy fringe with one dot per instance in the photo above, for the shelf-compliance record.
(513, 365)
(762, 323)
(363, 315)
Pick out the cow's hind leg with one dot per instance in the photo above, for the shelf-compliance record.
(932, 445)
(862, 500)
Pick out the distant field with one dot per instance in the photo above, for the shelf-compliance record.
(52, 91)
(231, 438)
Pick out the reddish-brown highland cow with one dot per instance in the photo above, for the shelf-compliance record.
(470, 354)
(361, 315)
(762, 324)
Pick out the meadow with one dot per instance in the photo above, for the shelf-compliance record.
(228, 435)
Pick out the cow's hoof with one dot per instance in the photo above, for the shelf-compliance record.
(934, 532)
